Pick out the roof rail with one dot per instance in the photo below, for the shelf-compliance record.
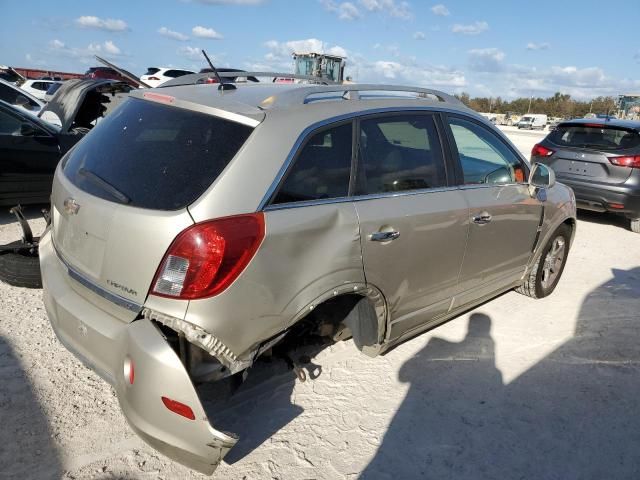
(354, 91)
(197, 78)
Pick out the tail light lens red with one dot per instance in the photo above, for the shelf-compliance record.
(207, 257)
(153, 78)
(626, 161)
(211, 80)
(541, 151)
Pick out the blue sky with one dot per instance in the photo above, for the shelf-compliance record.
(494, 48)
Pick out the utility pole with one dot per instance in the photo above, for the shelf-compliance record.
(530, 99)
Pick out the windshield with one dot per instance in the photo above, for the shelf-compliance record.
(155, 156)
(595, 136)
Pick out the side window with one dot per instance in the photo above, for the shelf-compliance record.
(8, 124)
(399, 153)
(484, 157)
(322, 168)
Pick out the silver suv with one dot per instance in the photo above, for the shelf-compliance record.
(195, 227)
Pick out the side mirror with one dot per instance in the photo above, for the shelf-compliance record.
(28, 130)
(542, 176)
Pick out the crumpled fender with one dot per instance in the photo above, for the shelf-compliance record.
(158, 372)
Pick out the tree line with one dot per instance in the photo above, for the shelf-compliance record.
(559, 105)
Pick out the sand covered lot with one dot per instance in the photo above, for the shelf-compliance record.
(517, 388)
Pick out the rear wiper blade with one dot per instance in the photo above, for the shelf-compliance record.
(106, 186)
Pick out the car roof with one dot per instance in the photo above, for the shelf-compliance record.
(613, 122)
(255, 100)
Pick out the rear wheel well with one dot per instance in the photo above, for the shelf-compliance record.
(340, 318)
(571, 223)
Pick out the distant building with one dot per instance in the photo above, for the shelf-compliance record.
(629, 106)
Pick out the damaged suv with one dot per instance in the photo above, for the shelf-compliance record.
(194, 227)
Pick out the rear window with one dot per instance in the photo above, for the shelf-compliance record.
(152, 70)
(596, 137)
(154, 156)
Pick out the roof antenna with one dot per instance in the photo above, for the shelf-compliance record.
(221, 86)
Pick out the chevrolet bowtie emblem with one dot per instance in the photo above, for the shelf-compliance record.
(71, 206)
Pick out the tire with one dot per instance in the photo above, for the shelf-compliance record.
(20, 270)
(635, 225)
(542, 281)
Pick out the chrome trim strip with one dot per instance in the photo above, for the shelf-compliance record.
(98, 290)
(359, 198)
(327, 121)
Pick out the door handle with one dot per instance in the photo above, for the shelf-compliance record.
(482, 218)
(383, 236)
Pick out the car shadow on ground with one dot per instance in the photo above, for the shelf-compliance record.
(573, 415)
(31, 212)
(29, 451)
(604, 218)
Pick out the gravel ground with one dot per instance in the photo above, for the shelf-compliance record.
(517, 388)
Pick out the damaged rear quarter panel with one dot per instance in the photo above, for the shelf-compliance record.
(306, 252)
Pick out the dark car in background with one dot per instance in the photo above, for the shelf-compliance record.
(31, 146)
(600, 160)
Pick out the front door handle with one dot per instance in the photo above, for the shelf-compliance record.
(482, 218)
(383, 236)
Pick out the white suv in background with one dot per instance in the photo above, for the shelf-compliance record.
(37, 88)
(157, 76)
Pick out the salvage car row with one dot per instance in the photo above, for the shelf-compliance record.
(200, 224)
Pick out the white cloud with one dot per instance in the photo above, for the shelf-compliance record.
(278, 50)
(392, 8)
(538, 46)
(56, 44)
(111, 48)
(411, 74)
(344, 10)
(165, 32)
(108, 49)
(473, 29)
(419, 36)
(348, 11)
(193, 53)
(204, 32)
(486, 59)
(109, 24)
(440, 10)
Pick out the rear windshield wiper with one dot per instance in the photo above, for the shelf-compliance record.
(106, 186)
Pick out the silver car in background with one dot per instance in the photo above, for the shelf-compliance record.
(195, 227)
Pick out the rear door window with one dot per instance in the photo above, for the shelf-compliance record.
(399, 153)
(322, 168)
(154, 156)
(484, 157)
(599, 137)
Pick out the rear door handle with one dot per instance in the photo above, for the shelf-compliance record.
(482, 218)
(383, 236)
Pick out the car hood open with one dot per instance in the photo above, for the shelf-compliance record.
(69, 98)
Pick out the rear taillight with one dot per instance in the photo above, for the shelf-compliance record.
(211, 80)
(541, 151)
(153, 78)
(207, 257)
(626, 161)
